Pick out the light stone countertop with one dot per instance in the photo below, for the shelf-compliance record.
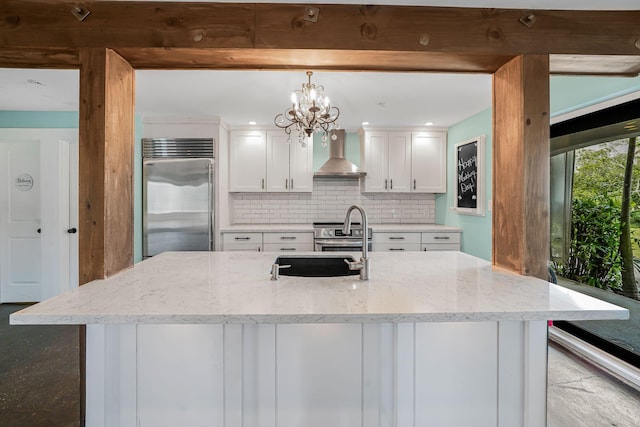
(290, 228)
(235, 287)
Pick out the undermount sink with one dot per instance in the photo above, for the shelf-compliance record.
(315, 265)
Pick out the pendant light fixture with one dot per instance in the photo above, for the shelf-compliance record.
(311, 112)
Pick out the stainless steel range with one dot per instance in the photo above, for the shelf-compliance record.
(328, 237)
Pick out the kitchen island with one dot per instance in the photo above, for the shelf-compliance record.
(206, 338)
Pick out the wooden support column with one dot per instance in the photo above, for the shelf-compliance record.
(106, 164)
(521, 166)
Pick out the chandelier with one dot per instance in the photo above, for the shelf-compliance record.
(311, 112)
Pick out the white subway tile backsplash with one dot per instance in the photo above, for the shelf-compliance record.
(328, 202)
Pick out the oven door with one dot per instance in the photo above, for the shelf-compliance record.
(339, 245)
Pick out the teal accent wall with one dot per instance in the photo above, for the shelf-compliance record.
(351, 150)
(476, 235)
(567, 93)
(39, 119)
(69, 119)
(572, 93)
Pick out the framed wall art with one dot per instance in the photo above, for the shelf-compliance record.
(469, 191)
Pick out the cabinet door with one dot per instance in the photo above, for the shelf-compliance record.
(376, 164)
(247, 161)
(399, 162)
(278, 161)
(301, 166)
(429, 162)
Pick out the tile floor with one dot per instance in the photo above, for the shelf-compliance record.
(39, 382)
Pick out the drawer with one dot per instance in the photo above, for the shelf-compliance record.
(255, 247)
(287, 238)
(287, 246)
(441, 246)
(229, 238)
(396, 247)
(441, 237)
(399, 238)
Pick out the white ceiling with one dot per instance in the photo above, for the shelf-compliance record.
(383, 99)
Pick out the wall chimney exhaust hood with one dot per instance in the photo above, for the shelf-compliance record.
(337, 166)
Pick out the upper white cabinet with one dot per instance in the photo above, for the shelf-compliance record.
(289, 164)
(262, 161)
(404, 161)
(247, 161)
(429, 162)
(387, 161)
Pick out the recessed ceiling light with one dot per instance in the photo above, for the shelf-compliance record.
(252, 123)
(429, 123)
(365, 123)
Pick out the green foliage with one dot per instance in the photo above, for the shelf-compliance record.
(594, 258)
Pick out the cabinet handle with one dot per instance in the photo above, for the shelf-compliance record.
(391, 181)
(425, 249)
(414, 184)
(242, 238)
(287, 249)
(288, 237)
(396, 238)
(286, 184)
(396, 249)
(385, 183)
(441, 237)
(259, 249)
(263, 183)
(292, 183)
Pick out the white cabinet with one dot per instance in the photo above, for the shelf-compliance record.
(429, 162)
(406, 241)
(387, 161)
(262, 161)
(440, 241)
(404, 161)
(288, 242)
(289, 164)
(242, 241)
(247, 161)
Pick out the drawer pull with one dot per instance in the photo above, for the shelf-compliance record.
(441, 237)
(396, 238)
(288, 237)
(242, 238)
(396, 249)
(287, 249)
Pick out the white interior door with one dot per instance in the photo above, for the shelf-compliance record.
(36, 266)
(20, 255)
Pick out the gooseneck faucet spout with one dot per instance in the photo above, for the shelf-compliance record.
(363, 265)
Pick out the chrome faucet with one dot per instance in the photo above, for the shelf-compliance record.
(363, 264)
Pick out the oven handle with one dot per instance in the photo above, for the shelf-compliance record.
(339, 242)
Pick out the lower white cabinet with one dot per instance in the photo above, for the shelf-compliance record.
(409, 241)
(268, 241)
(288, 242)
(242, 241)
(416, 241)
(440, 241)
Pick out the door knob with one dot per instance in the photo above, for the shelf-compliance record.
(72, 230)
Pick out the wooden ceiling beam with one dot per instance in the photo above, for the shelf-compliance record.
(505, 32)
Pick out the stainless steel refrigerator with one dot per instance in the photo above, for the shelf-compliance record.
(178, 195)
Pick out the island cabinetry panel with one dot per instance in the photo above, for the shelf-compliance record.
(446, 374)
(440, 241)
(288, 242)
(265, 161)
(247, 161)
(387, 161)
(242, 241)
(407, 241)
(429, 162)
